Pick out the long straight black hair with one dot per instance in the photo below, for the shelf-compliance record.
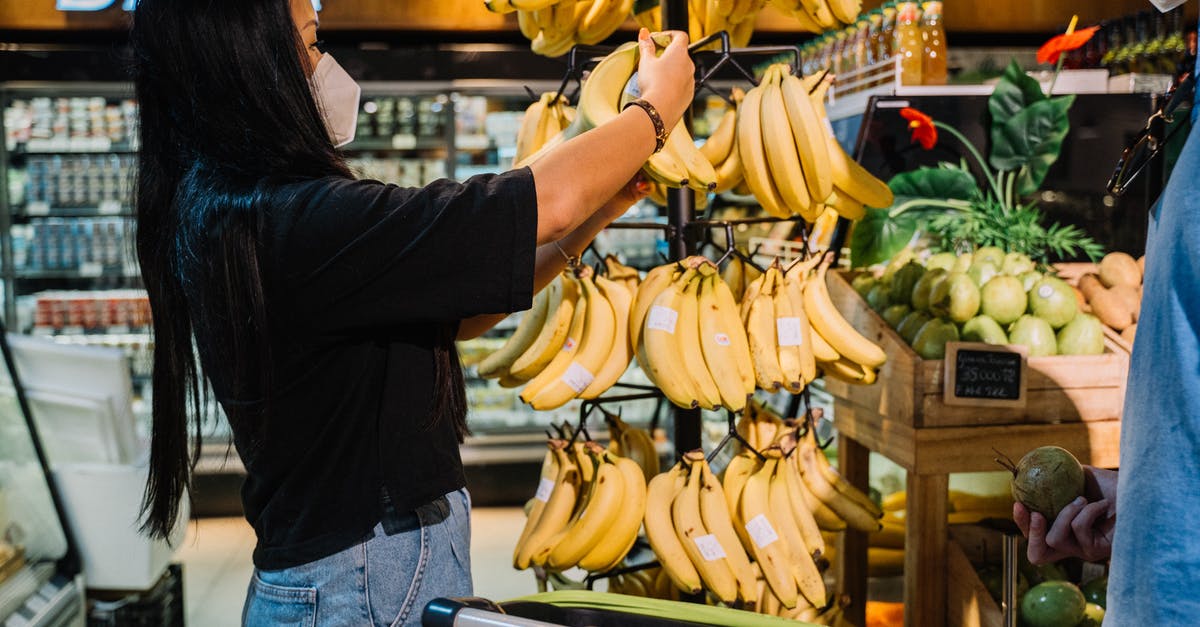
(226, 115)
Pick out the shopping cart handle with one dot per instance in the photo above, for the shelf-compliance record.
(469, 613)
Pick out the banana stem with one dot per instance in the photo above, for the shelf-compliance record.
(987, 172)
(956, 205)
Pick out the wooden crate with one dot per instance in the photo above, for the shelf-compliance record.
(910, 389)
(968, 602)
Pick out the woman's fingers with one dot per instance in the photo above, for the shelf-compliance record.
(1021, 517)
(1040, 551)
(1061, 536)
(1093, 540)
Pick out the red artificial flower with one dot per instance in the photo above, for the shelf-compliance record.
(923, 130)
(1051, 50)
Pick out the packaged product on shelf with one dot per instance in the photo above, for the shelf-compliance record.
(933, 32)
(908, 42)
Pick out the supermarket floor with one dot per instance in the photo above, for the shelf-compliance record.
(216, 563)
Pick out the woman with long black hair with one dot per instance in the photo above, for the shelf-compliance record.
(322, 310)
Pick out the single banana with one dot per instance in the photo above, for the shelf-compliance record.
(716, 573)
(808, 578)
(808, 133)
(557, 511)
(768, 547)
(783, 159)
(600, 95)
(528, 25)
(849, 510)
(596, 22)
(724, 345)
(596, 344)
(760, 331)
(845, 370)
(846, 11)
(538, 503)
(740, 36)
(789, 334)
(701, 175)
(561, 360)
(805, 521)
(828, 321)
(845, 205)
(793, 286)
(603, 510)
(499, 6)
(496, 365)
(621, 535)
(689, 344)
(753, 288)
(718, 145)
(714, 513)
(619, 356)
(826, 519)
(847, 174)
(660, 531)
(734, 276)
(640, 444)
(754, 156)
(838, 481)
(560, 310)
(656, 281)
(659, 349)
(531, 122)
(730, 173)
(737, 472)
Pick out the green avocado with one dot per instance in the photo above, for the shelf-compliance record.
(911, 325)
(878, 298)
(923, 290)
(903, 282)
(863, 284)
(895, 313)
(931, 340)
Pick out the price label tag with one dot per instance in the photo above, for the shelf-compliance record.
(404, 142)
(985, 375)
(761, 531)
(577, 377)
(710, 547)
(722, 340)
(788, 331)
(110, 207)
(662, 319)
(37, 209)
(545, 489)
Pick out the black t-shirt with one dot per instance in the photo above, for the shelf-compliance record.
(362, 280)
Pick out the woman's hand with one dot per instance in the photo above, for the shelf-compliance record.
(666, 81)
(1083, 529)
(636, 189)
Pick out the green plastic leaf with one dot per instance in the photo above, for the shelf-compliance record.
(1031, 141)
(878, 237)
(939, 183)
(1015, 91)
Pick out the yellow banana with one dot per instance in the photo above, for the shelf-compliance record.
(783, 159)
(846, 11)
(714, 568)
(700, 173)
(596, 344)
(656, 281)
(618, 358)
(496, 365)
(740, 36)
(560, 310)
(531, 5)
(499, 6)
(603, 509)
(846, 173)
(838, 481)
(826, 519)
(714, 513)
(718, 146)
(734, 481)
(559, 363)
(725, 346)
(734, 277)
(793, 288)
(754, 156)
(557, 511)
(760, 331)
(600, 96)
(808, 579)
(768, 547)
(601, 20)
(808, 132)
(805, 520)
(660, 531)
(531, 123)
(845, 204)
(642, 450)
(689, 344)
(622, 533)
(545, 488)
(845, 370)
(855, 515)
(753, 288)
(828, 321)
(660, 348)
(788, 335)
(528, 24)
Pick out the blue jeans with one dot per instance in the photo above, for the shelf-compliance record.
(387, 579)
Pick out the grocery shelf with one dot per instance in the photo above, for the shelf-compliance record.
(103, 210)
(82, 272)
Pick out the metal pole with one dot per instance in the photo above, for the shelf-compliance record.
(680, 210)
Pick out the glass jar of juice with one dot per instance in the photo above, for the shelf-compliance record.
(933, 33)
(909, 45)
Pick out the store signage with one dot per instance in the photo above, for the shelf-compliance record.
(985, 375)
(128, 5)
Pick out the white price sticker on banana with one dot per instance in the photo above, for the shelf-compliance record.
(761, 531)
(662, 319)
(710, 547)
(722, 340)
(545, 488)
(577, 377)
(788, 331)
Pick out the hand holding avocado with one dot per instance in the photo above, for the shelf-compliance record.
(1084, 527)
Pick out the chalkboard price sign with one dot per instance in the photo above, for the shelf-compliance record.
(985, 375)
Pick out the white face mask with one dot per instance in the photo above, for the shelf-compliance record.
(337, 97)
(1166, 5)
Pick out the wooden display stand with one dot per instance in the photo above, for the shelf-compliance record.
(1071, 401)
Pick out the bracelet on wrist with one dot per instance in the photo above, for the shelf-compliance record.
(660, 129)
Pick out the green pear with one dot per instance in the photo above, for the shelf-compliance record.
(911, 324)
(983, 329)
(1052, 300)
(1034, 333)
(930, 342)
(992, 254)
(923, 290)
(956, 297)
(894, 314)
(1082, 336)
(1003, 299)
(945, 261)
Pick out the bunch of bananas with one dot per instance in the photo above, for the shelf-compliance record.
(794, 329)
(543, 120)
(792, 162)
(586, 512)
(553, 27)
(571, 344)
(721, 148)
(818, 16)
(691, 531)
(626, 440)
(685, 333)
(738, 275)
(653, 583)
